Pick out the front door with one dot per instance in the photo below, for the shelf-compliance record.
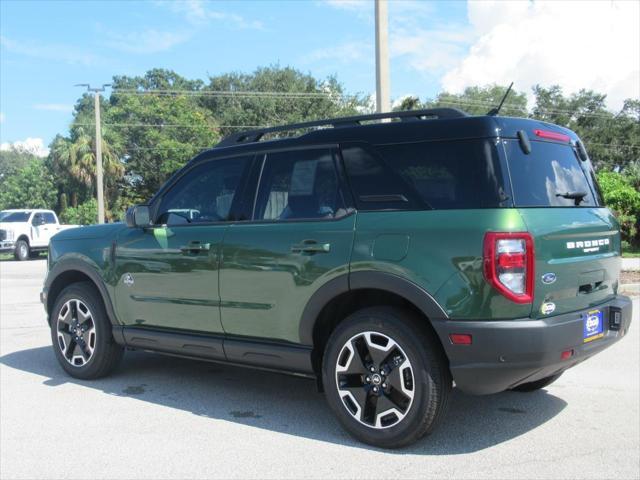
(299, 238)
(167, 274)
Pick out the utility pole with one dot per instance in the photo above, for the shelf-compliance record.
(99, 182)
(382, 56)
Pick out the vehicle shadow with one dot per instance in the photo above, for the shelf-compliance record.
(289, 404)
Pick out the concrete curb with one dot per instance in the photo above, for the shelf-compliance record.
(629, 289)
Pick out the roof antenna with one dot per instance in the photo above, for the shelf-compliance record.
(494, 111)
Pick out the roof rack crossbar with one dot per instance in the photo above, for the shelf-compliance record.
(252, 136)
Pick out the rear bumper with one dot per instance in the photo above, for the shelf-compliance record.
(7, 246)
(507, 353)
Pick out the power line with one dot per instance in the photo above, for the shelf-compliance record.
(230, 93)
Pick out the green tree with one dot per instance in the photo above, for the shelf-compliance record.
(30, 187)
(13, 160)
(621, 197)
(479, 100)
(299, 97)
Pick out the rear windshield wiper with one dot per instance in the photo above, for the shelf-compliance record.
(578, 197)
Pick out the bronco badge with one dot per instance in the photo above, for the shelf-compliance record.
(127, 279)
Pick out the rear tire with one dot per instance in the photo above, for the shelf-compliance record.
(81, 333)
(22, 251)
(538, 384)
(406, 394)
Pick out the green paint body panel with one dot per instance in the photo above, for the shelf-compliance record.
(171, 288)
(444, 256)
(265, 286)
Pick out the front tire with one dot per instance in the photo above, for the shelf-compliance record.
(386, 380)
(81, 333)
(22, 251)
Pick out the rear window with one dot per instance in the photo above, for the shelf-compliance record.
(550, 176)
(460, 174)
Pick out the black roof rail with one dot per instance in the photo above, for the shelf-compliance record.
(251, 136)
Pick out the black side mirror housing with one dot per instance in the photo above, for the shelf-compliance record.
(138, 216)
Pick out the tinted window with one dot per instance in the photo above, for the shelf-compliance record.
(37, 219)
(461, 174)
(15, 216)
(204, 194)
(544, 177)
(376, 186)
(49, 217)
(298, 184)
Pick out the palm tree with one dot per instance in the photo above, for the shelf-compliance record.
(77, 157)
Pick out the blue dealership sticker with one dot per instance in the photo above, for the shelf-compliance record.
(593, 326)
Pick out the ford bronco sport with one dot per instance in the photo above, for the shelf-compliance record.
(387, 260)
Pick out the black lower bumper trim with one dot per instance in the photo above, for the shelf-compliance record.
(507, 353)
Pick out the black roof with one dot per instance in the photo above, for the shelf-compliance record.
(413, 126)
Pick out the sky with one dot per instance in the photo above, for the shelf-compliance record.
(48, 46)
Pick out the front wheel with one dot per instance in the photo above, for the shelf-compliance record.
(386, 380)
(22, 251)
(81, 333)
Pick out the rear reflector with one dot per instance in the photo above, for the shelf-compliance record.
(460, 338)
(567, 354)
(561, 137)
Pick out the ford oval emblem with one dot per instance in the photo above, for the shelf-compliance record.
(548, 278)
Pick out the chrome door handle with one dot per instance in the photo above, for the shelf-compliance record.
(311, 246)
(195, 247)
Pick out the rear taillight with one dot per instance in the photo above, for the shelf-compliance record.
(509, 264)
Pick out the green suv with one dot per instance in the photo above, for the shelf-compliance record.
(386, 259)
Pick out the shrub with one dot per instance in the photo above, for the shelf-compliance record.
(621, 197)
(84, 214)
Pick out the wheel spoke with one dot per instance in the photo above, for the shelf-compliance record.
(83, 314)
(69, 343)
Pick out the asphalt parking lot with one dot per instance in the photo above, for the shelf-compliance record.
(162, 417)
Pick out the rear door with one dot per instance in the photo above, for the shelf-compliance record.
(576, 239)
(299, 238)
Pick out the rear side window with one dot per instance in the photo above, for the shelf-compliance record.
(49, 217)
(298, 184)
(550, 176)
(461, 174)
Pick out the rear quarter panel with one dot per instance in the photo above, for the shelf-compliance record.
(441, 251)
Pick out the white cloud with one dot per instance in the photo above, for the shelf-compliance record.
(146, 41)
(57, 52)
(197, 13)
(54, 107)
(592, 45)
(31, 145)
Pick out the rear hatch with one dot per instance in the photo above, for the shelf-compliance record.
(576, 239)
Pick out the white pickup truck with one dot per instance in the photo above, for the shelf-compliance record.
(26, 232)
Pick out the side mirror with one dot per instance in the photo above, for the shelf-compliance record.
(138, 216)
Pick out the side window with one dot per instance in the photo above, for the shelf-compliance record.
(458, 174)
(374, 184)
(204, 194)
(37, 220)
(49, 217)
(299, 184)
